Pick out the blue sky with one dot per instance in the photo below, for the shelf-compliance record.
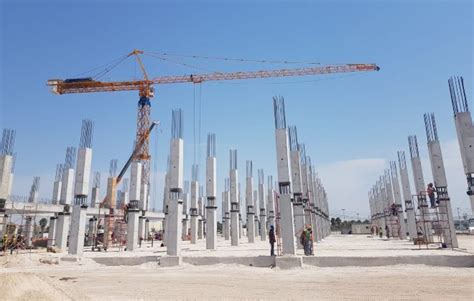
(346, 120)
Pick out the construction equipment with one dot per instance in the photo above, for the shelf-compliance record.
(146, 90)
(109, 221)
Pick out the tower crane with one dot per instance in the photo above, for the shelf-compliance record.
(145, 88)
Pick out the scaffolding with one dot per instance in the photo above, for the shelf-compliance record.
(438, 220)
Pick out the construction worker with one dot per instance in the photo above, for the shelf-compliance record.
(272, 239)
(380, 232)
(5, 242)
(430, 190)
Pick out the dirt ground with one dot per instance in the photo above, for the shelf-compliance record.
(221, 282)
(40, 276)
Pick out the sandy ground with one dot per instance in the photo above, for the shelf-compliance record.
(40, 276)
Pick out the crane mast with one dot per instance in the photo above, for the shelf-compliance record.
(146, 92)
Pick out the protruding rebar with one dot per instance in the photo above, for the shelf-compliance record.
(211, 145)
(8, 142)
(393, 169)
(86, 134)
(195, 172)
(201, 190)
(261, 176)
(96, 179)
(413, 144)
(387, 177)
(279, 112)
(249, 168)
(401, 160)
(177, 124)
(70, 157)
(302, 148)
(34, 188)
(458, 94)
(293, 135)
(270, 182)
(113, 168)
(233, 159)
(430, 127)
(59, 172)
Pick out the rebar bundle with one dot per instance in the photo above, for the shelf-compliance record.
(279, 112)
(430, 127)
(401, 159)
(8, 142)
(458, 94)
(87, 131)
(293, 135)
(70, 157)
(59, 172)
(413, 144)
(211, 145)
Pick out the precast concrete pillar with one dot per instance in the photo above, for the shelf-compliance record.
(464, 131)
(133, 215)
(424, 223)
(147, 229)
(62, 230)
(6, 162)
(249, 200)
(175, 206)
(263, 213)
(284, 179)
(270, 203)
(51, 231)
(226, 206)
(78, 228)
(91, 231)
(445, 212)
(28, 231)
(194, 211)
(211, 193)
(409, 207)
(234, 200)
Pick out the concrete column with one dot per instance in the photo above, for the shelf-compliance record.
(234, 200)
(409, 208)
(445, 213)
(226, 216)
(211, 193)
(175, 205)
(194, 211)
(464, 130)
(185, 221)
(263, 213)
(3, 223)
(297, 182)
(287, 227)
(398, 199)
(78, 229)
(67, 187)
(141, 227)
(62, 230)
(95, 197)
(147, 229)
(144, 197)
(5, 174)
(424, 223)
(51, 231)
(132, 226)
(56, 192)
(28, 231)
(249, 200)
(200, 219)
(91, 231)
(271, 203)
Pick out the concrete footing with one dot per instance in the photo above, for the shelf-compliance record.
(288, 262)
(170, 261)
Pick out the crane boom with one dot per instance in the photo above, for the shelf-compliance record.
(88, 85)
